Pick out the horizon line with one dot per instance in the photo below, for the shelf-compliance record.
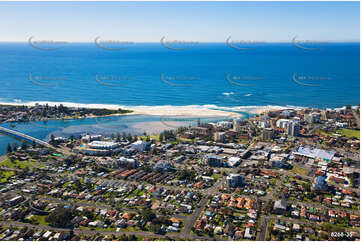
(193, 42)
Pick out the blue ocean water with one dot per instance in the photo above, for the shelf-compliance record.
(204, 74)
(147, 74)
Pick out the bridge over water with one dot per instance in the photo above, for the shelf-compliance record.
(24, 137)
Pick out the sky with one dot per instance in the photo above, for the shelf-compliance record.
(186, 21)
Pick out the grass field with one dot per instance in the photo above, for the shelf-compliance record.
(216, 176)
(349, 133)
(18, 164)
(4, 175)
(323, 132)
(299, 170)
(40, 220)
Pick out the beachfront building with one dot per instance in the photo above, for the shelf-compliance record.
(106, 145)
(282, 123)
(98, 148)
(293, 128)
(312, 117)
(200, 130)
(225, 124)
(89, 138)
(288, 113)
(237, 122)
(140, 145)
(60, 139)
(264, 123)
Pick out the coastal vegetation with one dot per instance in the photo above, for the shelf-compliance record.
(22, 113)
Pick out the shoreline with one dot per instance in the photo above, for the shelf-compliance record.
(200, 111)
(164, 110)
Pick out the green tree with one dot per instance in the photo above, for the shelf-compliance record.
(52, 139)
(60, 218)
(135, 138)
(15, 146)
(164, 220)
(123, 237)
(88, 214)
(148, 215)
(23, 145)
(186, 174)
(9, 149)
(155, 228)
(132, 237)
(129, 137)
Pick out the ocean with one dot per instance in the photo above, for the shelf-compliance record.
(212, 75)
(207, 74)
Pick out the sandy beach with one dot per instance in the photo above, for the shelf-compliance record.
(166, 110)
(188, 111)
(261, 110)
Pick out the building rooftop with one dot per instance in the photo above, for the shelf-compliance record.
(314, 153)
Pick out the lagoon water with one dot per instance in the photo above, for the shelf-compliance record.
(107, 126)
(205, 74)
